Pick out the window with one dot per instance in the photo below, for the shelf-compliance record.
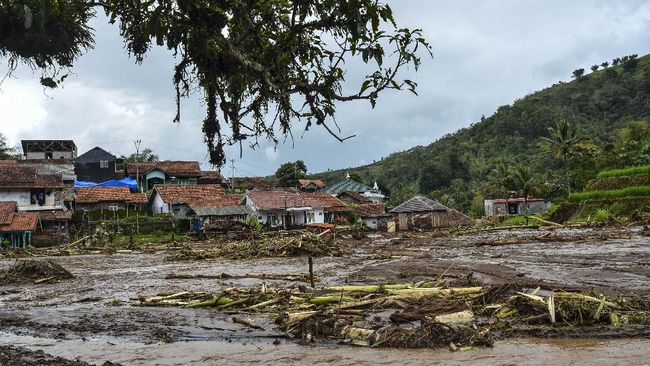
(103, 163)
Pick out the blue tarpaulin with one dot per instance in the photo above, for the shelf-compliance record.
(126, 182)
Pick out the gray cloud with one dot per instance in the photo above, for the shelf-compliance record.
(487, 54)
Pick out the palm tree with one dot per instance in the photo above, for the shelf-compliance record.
(563, 139)
(523, 180)
(501, 180)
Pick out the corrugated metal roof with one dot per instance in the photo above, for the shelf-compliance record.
(222, 211)
(419, 204)
(347, 185)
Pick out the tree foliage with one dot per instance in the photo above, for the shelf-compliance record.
(6, 151)
(290, 172)
(146, 155)
(263, 66)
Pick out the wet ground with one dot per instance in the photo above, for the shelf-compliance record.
(92, 317)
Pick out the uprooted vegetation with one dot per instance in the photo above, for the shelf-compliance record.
(36, 271)
(418, 315)
(290, 245)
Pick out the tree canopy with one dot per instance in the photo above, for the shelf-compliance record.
(6, 151)
(290, 172)
(263, 66)
(146, 155)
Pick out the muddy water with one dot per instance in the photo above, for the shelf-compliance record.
(514, 352)
(91, 316)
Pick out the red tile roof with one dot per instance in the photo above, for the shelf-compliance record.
(7, 209)
(173, 168)
(217, 201)
(174, 194)
(21, 177)
(317, 182)
(354, 197)
(54, 215)
(270, 200)
(103, 194)
(370, 210)
(211, 175)
(257, 183)
(24, 221)
(139, 198)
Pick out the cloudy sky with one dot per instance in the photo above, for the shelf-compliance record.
(486, 54)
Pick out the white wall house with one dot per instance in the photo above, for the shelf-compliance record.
(30, 190)
(284, 209)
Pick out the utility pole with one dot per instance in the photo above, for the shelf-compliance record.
(137, 159)
(232, 174)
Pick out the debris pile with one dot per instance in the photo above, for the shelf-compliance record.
(34, 271)
(418, 315)
(305, 243)
(290, 245)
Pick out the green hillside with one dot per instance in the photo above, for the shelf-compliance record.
(610, 107)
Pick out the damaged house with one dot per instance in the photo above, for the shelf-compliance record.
(421, 213)
(49, 149)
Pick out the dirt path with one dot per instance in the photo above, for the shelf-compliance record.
(93, 316)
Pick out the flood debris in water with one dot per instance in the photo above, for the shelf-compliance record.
(415, 315)
(36, 271)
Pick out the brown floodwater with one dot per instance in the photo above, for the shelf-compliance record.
(511, 352)
(91, 317)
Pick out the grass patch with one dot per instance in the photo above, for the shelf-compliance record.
(624, 172)
(641, 191)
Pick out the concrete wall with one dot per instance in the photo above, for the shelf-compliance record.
(265, 217)
(371, 223)
(498, 209)
(55, 155)
(23, 199)
(159, 206)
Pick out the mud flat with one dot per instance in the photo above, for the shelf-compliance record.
(92, 317)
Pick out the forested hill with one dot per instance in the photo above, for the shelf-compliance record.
(457, 168)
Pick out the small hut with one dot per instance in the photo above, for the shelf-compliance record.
(421, 213)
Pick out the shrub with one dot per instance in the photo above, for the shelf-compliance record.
(601, 215)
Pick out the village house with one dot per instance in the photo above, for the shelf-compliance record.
(109, 199)
(176, 199)
(30, 190)
(16, 227)
(164, 172)
(49, 149)
(98, 165)
(311, 185)
(373, 215)
(226, 207)
(421, 213)
(288, 209)
(349, 185)
(514, 206)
